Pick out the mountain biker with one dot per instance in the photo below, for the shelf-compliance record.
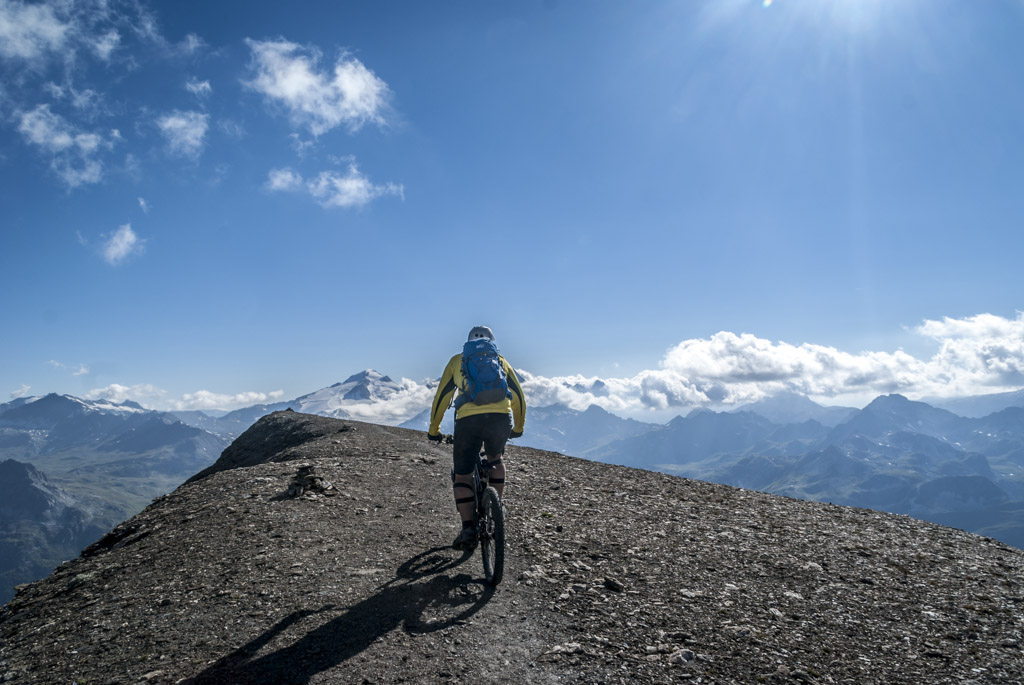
(490, 425)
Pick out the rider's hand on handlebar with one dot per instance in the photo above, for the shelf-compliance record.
(515, 434)
(435, 438)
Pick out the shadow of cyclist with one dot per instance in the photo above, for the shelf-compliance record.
(421, 598)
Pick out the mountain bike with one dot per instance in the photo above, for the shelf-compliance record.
(489, 518)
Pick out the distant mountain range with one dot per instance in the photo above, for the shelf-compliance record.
(349, 399)
(894, 455)
(558, 428)
(72, 468)
(789, 407)
(978, 406)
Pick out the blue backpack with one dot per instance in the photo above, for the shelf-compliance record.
(485, 376)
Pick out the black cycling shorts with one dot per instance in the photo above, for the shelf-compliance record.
(488, 430)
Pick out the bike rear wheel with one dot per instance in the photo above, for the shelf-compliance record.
(492, 536)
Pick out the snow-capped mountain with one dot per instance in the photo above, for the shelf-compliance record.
(53, 422)
(368, 396)
(49, 410)
(367, 386)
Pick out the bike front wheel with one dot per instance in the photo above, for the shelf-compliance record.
(492, 537)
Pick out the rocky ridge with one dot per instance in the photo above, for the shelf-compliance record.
(325, 560)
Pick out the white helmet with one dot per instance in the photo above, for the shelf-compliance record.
(479, 332)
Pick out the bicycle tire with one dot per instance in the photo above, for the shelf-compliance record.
(492, 537)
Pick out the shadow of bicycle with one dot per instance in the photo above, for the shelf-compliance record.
(421, 598)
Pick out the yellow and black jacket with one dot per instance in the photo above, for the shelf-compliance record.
(452, 380)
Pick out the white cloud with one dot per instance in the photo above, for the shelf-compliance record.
(284, 179)
(190, 44)
(204, 399)
(143, 394)
(618, 395)
(184, 132)
(29, 31)
(197, 87)
(143, 205)
(86, 101)
(332, 189)
(47, 130)
(301, 146)
(20, 392)
(155, 397)
(121, 244)
(352, 189)
(977, 355)
(35, 32)
(979, 351)
(232, 128)
(287, 74)
(74, 175)
(145, 25)
(73, 152)
(131, 167)
(730, 368)
(105, 44)
(411, 399)
(82, 369)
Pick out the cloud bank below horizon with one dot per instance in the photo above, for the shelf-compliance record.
(976, 355)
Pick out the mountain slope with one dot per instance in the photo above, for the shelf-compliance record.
(895, 413)
(791, 407)
(367, 395)
(105, 461)
(699, 436)
(614, 575)
(895, 455)
(558, 428)
(41, 525)
(978, 406)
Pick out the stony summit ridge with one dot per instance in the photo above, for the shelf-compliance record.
(315, 551)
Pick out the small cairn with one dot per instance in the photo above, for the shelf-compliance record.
(307, 483)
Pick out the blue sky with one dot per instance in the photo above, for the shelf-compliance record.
(206, 204)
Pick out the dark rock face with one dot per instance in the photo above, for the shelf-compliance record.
(24, 492)
(102, 463)
(612, 575)
(270, 438)
(40, 525)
